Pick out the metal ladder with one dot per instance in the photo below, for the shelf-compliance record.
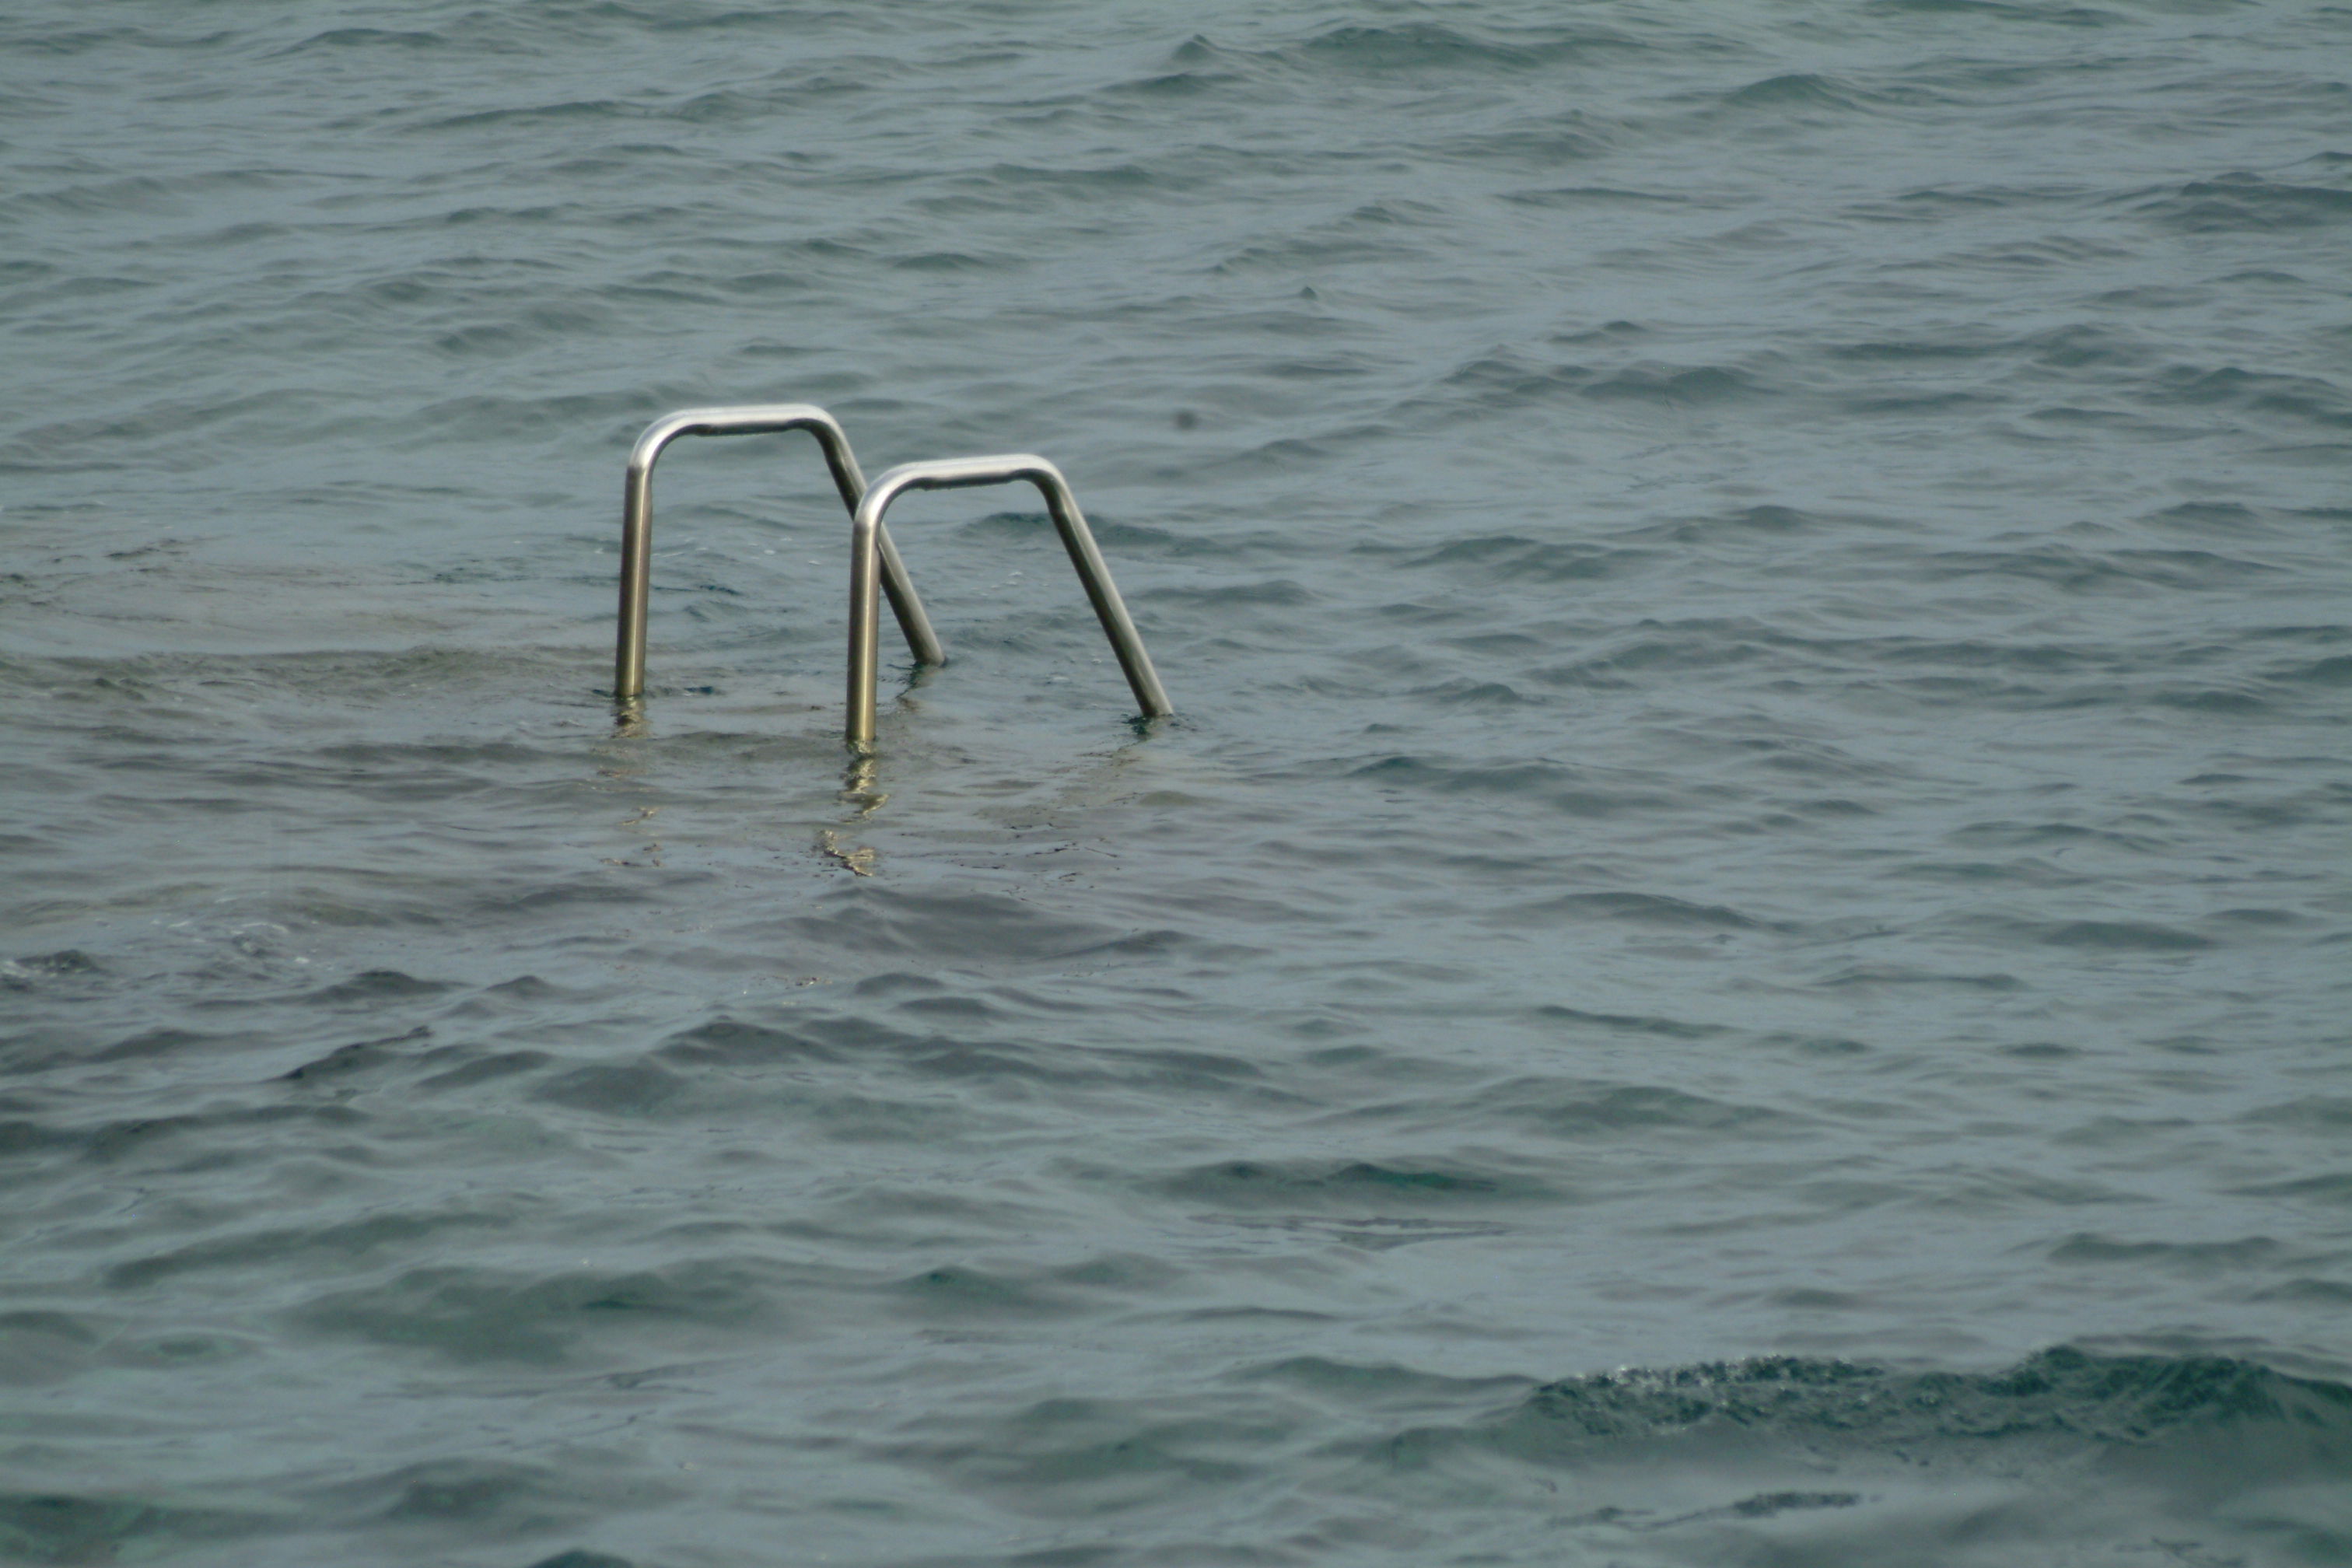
(637, 523)
(874, 566)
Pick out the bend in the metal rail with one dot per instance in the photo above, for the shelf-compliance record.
(637, 521)
(865, 562)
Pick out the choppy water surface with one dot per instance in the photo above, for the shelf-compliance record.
(1738, 954)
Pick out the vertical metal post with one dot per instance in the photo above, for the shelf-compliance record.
(867, 562)
(637, 515)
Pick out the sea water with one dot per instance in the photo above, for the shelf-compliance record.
(1738, 952)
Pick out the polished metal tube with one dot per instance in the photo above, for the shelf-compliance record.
(867, 560)
(637, 523)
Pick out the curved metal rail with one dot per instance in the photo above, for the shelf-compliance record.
(870, 565)
(637, 523)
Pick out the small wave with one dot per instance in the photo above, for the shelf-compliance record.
(1021, 189)
(361, 1055)
(2248, 204)
(1512, 558)
(1939, 203)
(2334, 670)
(1491, 694)
(949, 928)
(1350, 1185)
(484, 1069)
(2082, 345)
(130, 1141)
(1278, 593)
(1588, 1112)
(1175, 84)
(565, 115)
(470, 1314)
(1864, 975)
(1425, 45)
(1637, 909)
(67, 1526)
(1675, 386)
(2262, 391)
(134, 194)
(1748, 522)
(1554, 1012)
(728, 1042)
(365, 38)
(955, 261)
(160, 1041)
(64, 41)
(2204, 518)
(2068, 1456)
(2004, 10)
(338, 1245)
(2326, 1115)
(1383, 1383)
(1547, 145)
(2062, 1401)
(1803, 89)
(374, 985)
(615, 1088)
(1379, 232)
(2081, 571)
(48, 968)
(471, 1496)
(2102, 936)
(27, 1137)
(2200, 1260)
(1506, 379)
(1053, 1289)
(1582, 196)
(1557, 785)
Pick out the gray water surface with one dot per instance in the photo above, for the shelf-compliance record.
(1738, 953)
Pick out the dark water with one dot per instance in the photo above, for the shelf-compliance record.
(1738, 954)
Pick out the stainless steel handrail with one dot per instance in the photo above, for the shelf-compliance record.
(869, 564)
(637, 523)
